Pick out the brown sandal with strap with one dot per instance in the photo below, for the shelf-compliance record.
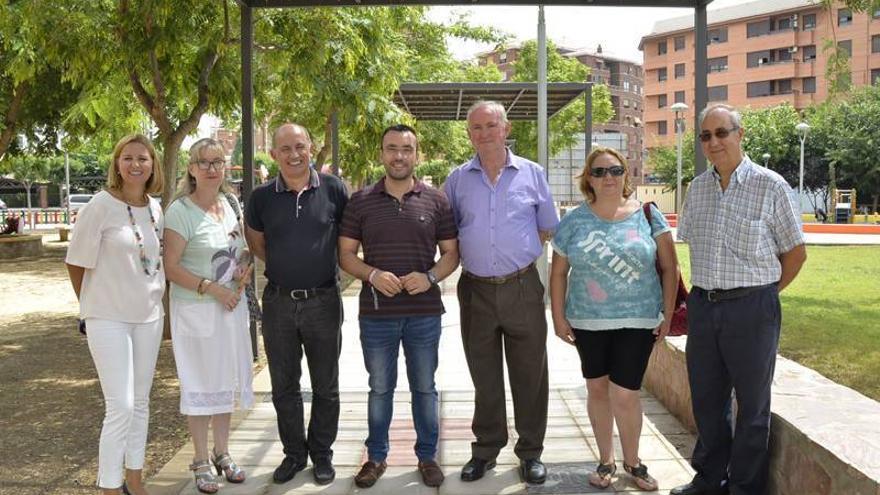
(640, 476)
(601, 478)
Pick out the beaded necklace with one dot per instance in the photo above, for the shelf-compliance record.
(145, 262)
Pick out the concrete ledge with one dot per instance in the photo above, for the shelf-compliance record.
(20, 245)
(825, 438)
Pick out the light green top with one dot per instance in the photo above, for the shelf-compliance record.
(213, 248)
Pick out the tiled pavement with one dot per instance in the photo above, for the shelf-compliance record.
(570, 451)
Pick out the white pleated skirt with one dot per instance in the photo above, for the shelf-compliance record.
(212, 350)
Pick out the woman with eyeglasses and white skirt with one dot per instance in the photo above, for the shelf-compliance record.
(207, 262)
(608, 300)
(115, 266)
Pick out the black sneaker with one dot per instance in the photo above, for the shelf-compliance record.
(288, 469)
(322, 470)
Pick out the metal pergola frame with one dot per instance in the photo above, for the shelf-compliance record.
(247, 40)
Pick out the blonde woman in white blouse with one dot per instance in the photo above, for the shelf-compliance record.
(115, 265)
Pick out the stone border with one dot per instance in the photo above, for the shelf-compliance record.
(20, 246)
(825, 438)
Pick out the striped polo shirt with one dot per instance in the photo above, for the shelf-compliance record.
(399, 237)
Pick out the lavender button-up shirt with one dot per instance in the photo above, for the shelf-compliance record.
(498, 224)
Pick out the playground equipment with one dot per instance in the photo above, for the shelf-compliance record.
(844, 201)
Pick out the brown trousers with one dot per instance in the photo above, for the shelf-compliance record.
(509, 315)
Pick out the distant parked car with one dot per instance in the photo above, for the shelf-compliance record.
(77, 201)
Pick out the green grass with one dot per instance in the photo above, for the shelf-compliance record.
(831, 314)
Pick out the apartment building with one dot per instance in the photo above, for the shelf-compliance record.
(759, 54)
(624, 132)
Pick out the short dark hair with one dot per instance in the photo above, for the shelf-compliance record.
(400, 128)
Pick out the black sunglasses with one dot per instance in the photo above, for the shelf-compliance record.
(599, 172)
(720, 133)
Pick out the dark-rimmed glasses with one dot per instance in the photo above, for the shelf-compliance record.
(720, 133)
(218, 165)
(599, 172)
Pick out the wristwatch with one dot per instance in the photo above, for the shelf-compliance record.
(432, 278)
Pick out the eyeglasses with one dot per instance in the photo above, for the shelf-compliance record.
(206, 165)
(599, 172)
(720, 133)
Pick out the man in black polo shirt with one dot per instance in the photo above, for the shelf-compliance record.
(292, 225)
(400, 221)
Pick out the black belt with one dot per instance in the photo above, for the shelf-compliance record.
(502, 279)
(303, 294)
(715, 295)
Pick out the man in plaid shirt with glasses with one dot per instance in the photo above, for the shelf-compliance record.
(746, 246)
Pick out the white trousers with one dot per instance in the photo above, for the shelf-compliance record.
(125, 357)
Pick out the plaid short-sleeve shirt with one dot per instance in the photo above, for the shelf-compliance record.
(736, 236)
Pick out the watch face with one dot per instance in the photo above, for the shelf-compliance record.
(432, 278)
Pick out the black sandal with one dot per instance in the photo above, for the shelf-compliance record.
(641, 477)
(602, 477)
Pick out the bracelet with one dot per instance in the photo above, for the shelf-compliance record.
(202, 288)
(370, 276)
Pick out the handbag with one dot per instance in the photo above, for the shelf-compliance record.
(250, 294)
(678, 324)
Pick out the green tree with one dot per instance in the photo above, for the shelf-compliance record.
(27, 169)
(569, 122)
(772, 130)
(837, 67)
(664, 162)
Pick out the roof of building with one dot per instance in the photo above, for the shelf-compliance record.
(517, 45)
(727, 14)
(603, 55)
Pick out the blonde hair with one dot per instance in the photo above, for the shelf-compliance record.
(155, 184)
(187, 183)
(584, 177)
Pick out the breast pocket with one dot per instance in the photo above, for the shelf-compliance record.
(748, 239)
(520, 204)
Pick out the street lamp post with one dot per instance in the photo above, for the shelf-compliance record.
(766, 157)
(802, 129)
(679, 109)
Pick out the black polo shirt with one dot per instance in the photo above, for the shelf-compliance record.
(301, 229)
(399, 237)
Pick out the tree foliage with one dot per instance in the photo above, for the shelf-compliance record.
(564, 126)
(664, 162)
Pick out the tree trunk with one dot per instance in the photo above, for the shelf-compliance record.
(11, 119)
(30, 214)
(170, 153)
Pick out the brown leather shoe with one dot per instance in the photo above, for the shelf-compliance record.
(369, 474)
(431, 473)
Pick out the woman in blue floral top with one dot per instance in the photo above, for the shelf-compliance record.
(608, 300)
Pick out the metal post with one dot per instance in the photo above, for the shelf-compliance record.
(701, 91)
(542, 91)
(802, 129)
(678, 133)
(247, 130)
(67, 183)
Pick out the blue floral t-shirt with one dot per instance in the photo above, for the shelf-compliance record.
(613, 281)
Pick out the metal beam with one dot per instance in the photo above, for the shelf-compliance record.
(572, 3)
(701, 91)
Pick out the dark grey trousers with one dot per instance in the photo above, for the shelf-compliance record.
(499, 321)
(732, 346)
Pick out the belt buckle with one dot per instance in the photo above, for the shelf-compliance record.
(710, 295)
(299, 294)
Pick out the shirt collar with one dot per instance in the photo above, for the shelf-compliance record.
(379, 187)
(314, 181)
(475, 164)
(745, 167)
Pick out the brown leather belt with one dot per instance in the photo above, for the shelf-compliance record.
(499, 280)
(716, 295)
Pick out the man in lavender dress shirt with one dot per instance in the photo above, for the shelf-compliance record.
(504, 212)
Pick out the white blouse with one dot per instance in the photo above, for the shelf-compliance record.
(115, 286)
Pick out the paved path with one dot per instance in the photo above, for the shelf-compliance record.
(570, 450)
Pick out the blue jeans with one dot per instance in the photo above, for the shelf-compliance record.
(380, 340)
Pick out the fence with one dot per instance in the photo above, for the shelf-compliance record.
(41, 216)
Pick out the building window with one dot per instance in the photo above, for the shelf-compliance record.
(809, 53)
(844, 17)
(661, 75)
(679, 71)
(757, 59)
(661, 101)
(809, 21)
(846, 45)
(626, 85)
(718, 35)
(875, 43)
(875, 76)
(679, 43)
(679, 96)
(784, 23)
(661, 128)
(876, 13)
(718, 64)
(759, 28)
(625, 103)
(717, 93)
(768, 88)
(808, 85)
(661, 48)
(502, 57)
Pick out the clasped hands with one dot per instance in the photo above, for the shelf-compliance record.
(390, 284)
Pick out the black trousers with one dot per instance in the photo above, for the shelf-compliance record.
(290, 329)
(499, 321)
(732, 346)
